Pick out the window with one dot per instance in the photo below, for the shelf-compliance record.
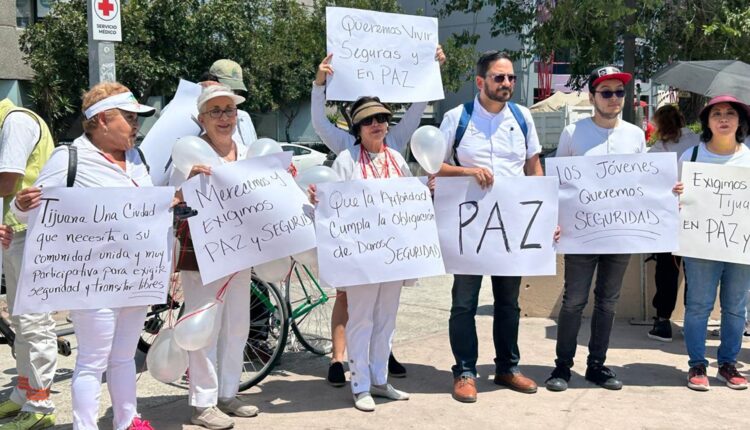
(31, 11)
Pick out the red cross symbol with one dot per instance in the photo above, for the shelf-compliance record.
(106, 7)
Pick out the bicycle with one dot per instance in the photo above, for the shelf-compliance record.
(305, 308)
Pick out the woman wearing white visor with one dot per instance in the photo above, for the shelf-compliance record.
(107, 337)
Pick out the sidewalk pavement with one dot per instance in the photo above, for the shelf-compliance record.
(297, 396)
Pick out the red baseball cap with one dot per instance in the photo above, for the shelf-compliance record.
(607, 72)
(724, 98)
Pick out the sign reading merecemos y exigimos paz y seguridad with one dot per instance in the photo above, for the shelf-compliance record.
(90, 248)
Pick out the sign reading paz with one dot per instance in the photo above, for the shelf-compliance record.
(376, 230)
(90, 248)
(249, 212)
(387, 54)
(506, 230)
(714, 217)
(617, 204)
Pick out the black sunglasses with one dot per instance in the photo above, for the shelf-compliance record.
(607, 94)
(500, 78)
(381, 118)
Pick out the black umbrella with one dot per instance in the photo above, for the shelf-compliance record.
(709, 78)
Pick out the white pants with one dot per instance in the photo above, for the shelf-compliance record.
(369, 332)
(107, 339)
(215, 370)
(36, 343)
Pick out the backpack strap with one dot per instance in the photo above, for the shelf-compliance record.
(72, 165)
(695, 154)
(518, 115)
(463, 123)
(143, 159)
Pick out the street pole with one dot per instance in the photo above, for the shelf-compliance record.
(102, 52)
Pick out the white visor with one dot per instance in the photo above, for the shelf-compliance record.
(124, 101)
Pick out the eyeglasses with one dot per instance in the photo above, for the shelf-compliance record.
(381, 118)
(500, 78)
(217, 113)
(607, 94)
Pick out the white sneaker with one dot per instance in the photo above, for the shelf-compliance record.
(211, 418)
(364, 401)
(388, 392)
(237, 407)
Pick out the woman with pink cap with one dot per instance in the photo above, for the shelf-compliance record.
(724, 122)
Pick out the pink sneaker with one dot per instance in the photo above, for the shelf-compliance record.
(728, 374)
(139, 424)
(697, 378)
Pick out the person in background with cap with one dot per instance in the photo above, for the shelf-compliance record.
(25, 146)
(216, 369)
(724, 124)
(229, 73)
(602, 134)
(338, 140)
(107, 337)
(371, 308)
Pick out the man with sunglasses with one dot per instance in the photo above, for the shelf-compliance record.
(603, 134)
(489, 141)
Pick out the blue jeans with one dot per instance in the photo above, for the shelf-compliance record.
(579, 272)
(462, 329)
(704, 277)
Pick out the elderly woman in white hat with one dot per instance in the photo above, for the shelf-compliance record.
(107, 337)
(215, 370)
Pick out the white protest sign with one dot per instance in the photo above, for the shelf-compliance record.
(376, 230)
(91, 248)
(617, 204)
(506, 230)
(106, 21)
(714, 223)
(249, 212)
(176, 122)
(384, 54)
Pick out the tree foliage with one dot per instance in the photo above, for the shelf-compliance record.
(279, 44)
(591, 32)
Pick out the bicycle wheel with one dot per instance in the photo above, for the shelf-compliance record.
(266, 340)
(310, 308)
(161, 315)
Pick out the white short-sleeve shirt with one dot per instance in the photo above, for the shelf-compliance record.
(741, 158)
(584, 137)
(20, 134)
(492, 140)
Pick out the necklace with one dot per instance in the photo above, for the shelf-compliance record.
(231, 154)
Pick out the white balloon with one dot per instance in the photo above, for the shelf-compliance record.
(166, 361)
(191, 150)
(263, 146)
(274, 270)
(429, 148)
(195, 329)
(316, 175)
(309, 258)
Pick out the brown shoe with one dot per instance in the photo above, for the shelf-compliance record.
(465, 389)
(517, 382)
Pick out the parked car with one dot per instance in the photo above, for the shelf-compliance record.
(304, 157)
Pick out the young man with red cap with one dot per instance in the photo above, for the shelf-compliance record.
(603, 134)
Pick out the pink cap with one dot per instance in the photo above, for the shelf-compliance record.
(724, 98)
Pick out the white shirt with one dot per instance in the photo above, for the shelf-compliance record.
(348, 167)
(741, 158)
(338, 140)
(176, 178)
(687, 140)
(245, 131)
(492, 140)
(20, 134)
(94, 169)
(584, 137)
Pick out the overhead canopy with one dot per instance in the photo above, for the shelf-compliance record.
(708, 78)
(559, 100)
